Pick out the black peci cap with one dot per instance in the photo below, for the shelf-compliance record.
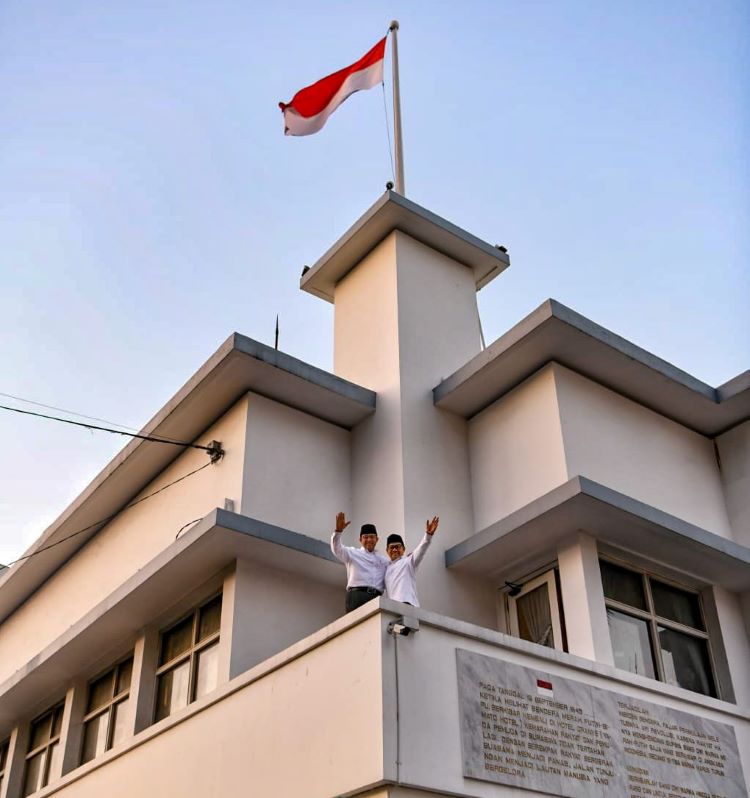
(368, 529)
(394, 539)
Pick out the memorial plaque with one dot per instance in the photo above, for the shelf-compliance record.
(523, 727)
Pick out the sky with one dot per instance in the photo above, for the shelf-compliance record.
(150, 204)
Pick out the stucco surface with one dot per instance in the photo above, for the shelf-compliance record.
(297, 471)
(516, 449)
(734, 452)
(638, 452)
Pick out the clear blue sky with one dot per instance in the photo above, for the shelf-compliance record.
(150, 205)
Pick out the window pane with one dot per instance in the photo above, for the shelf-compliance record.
(676, 605)
(208, 670)
(57, 721)
(33, 780)
(120, 727)
(177, 640)
(3, 755)
(124, 674)
(54, 763)
(40, 731)
(210, 619)
(534, 617)
(172, 692)
(630, 643)
(101, 691)
(622, 585)
(95, 737)
(686, 661)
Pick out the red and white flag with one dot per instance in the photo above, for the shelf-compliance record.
(310, 107)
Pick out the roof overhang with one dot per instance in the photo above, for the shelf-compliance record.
(238, 366)
(525, 539)
(394, 212)
(204, 550)
(555, 333)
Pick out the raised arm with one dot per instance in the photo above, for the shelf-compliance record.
(340, 551)
(424, 544)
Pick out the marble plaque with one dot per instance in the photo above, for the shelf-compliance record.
(523, 727)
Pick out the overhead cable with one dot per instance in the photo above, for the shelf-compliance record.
(213, 448)
(110, 517)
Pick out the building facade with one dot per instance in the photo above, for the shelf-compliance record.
(585, 619)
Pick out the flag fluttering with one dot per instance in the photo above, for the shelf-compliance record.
(308, 110)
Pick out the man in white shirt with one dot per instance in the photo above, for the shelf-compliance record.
(365, 568)
(400, 575)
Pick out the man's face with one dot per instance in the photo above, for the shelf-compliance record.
(368, 541)
(395, 550)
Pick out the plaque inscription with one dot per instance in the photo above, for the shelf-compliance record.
(524, 728)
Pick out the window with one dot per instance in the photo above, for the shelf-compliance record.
(188, 659)
(535, 612)
(44, 757)
(657, 629)
(104, 724)
(3, 761)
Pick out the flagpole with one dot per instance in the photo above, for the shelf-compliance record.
(397, 137)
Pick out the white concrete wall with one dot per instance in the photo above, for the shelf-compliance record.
(430, 728)
(623, 445)
(134, 538)
(734, 453)
(312, 728)
(516, 449)
(271, 611)
(366, 351)
(297, 468)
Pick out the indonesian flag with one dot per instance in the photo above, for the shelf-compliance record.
(310, 107)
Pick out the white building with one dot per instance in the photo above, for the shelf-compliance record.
(585, 621)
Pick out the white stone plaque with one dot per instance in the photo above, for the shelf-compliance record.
(526, 728)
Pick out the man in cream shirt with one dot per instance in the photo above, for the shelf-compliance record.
(400, 575)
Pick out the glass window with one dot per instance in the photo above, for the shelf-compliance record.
(43, 756)
(3, 761)
(630, 644)
(534, 611)
(189, 659)
(105, 722)
(657, 629)
(623, 585)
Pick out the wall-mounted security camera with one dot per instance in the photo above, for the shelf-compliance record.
(403, 626)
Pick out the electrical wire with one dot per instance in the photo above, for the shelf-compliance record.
(153, 438)
(110, 517)
(65, 410)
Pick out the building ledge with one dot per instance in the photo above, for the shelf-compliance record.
(205, 549)
(238, 366)
(555, 333)
(394, 212)
(513, 543)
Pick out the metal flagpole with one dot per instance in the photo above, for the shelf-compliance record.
(397, 137)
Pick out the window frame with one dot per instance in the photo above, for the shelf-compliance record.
(654, 621)
(45, 748)
(4, 761)
(108, 708)
(190, 654)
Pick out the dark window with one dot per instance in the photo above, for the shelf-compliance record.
(43, 760)
(657, 629)
(3, 761)
(188, 659)
(105, 722)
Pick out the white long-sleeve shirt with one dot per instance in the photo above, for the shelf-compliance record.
(363, 568)
(401, 576)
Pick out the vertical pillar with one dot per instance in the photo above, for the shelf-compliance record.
(72, 729)
(583, 600)
(15, 767)
(143, 681)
